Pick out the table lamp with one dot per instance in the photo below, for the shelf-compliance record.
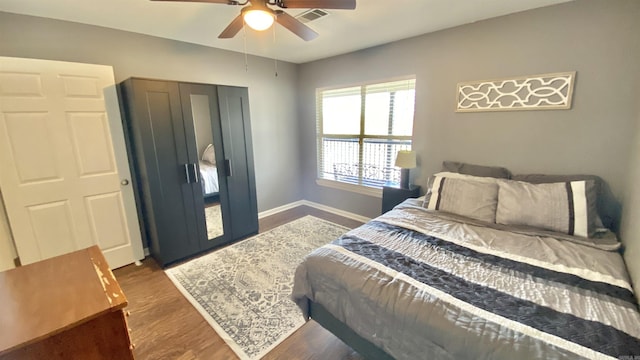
(405, 160)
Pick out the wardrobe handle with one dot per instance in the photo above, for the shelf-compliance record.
(196, 178)
(186, 172)
(227, 167)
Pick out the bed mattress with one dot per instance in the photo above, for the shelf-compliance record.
(426, 284)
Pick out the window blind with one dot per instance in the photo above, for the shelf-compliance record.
(360, 129)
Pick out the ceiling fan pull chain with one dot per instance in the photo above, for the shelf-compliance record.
(275, 59)
(244, 39)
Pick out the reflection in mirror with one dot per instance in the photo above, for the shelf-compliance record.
(208, 169)
(214, 221)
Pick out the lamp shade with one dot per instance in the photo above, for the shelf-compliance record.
(406, 159)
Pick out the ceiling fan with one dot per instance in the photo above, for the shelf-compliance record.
(259, 16)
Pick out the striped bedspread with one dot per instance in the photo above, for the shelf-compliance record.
(423, 285)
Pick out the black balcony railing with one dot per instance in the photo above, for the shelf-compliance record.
(340, 160)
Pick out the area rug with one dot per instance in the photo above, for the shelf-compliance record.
(243, 290)
(214, 221)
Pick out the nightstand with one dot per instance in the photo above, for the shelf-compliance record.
(394, 195)
(77, 313)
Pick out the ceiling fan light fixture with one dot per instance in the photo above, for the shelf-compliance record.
(258, 19)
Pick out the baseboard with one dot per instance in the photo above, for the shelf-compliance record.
(336, 211)
(280, 209)
(312, 204)
(294, 204)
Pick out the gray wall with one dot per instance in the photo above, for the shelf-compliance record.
(598, 39)
(630, 231)
(272, 99)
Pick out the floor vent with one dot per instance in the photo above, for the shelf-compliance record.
(311, 15)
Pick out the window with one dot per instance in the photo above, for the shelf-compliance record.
(360, 130)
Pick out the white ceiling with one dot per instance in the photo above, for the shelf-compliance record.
(374, 22)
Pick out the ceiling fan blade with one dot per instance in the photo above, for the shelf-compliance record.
(232, 29)
(295, 26)
(230, 2)
(318, 4)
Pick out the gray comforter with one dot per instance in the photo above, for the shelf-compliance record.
(421, 284)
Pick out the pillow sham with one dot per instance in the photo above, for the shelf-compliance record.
(209, 154)
(565, 207)
(476, 170)
(608, 207)
(453, 175)
(466, 197)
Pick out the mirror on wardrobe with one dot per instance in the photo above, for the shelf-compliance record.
(207, 164)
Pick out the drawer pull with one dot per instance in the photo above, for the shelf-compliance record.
(132, 346)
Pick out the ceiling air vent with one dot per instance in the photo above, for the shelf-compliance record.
(311, 15)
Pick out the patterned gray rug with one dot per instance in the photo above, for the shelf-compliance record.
(243, 290)
(214, 221)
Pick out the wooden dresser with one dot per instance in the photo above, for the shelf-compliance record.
(67, 307)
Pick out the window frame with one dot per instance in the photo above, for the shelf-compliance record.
(360, 187)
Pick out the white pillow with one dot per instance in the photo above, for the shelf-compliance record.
(209, 154)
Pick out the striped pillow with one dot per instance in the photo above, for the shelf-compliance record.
(566, 207)
(461, 196)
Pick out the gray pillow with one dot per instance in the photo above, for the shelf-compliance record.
(566, 207)
(476, 170)
(473, 199)
(454, 175)
(609, 208)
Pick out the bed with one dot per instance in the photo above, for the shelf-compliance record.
(465, 274)
(209, 172)
(209, 176)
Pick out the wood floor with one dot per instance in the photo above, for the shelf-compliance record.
(164, 325)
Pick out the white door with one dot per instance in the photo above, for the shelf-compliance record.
(64, 171)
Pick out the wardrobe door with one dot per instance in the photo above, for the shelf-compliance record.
(200, 104)
(163, 167)
(238, 152)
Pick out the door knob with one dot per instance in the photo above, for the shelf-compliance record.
(124, 182)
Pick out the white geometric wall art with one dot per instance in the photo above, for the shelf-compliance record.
(534, 92)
